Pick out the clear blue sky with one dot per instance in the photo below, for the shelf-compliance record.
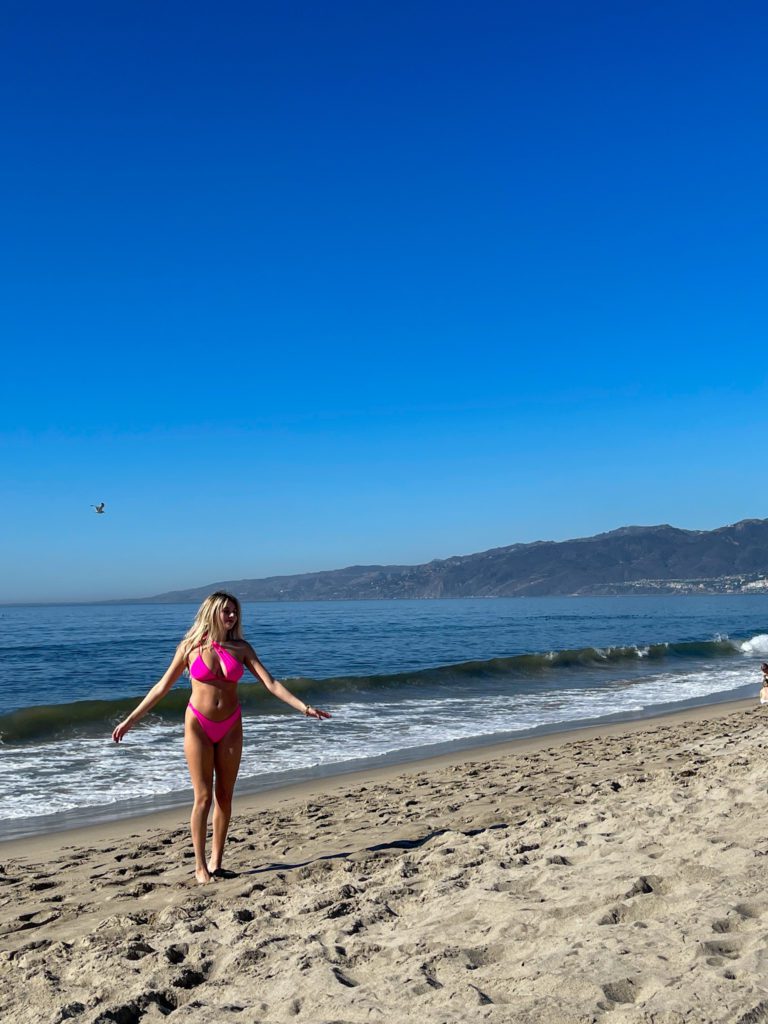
(292, 286)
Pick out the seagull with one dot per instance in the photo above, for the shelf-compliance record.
(99, 508)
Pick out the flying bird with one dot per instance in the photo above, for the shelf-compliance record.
(99, 508)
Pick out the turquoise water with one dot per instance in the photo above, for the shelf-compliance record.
(402, 679)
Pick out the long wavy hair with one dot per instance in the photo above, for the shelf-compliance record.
(207, 627)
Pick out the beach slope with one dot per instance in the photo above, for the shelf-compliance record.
(617, 877)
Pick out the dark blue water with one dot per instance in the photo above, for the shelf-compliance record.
(60, 654)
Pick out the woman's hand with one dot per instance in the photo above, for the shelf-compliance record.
(156, 694)
(316, 713)
(119, 731)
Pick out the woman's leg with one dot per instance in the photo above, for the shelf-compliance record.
(199, 752)
(226, 756)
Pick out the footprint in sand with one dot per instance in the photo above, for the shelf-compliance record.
(41, 886)
(644, 885)
(34, 919)
(142, 889)
(726, 924)
(177, 953)
(622, 991)
(138, 950)
(189, 978)
(133, 1011)
(730, 949)
(483, 999)
(343, 979)
(750, 911)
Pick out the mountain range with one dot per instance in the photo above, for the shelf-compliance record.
(632, 559)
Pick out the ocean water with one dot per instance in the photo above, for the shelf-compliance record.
(402, 679)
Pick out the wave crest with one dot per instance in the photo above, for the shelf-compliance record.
(758, 645)
(36, 724)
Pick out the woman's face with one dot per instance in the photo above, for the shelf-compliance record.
(228, 616)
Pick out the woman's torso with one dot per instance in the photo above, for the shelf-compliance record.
(215, 670)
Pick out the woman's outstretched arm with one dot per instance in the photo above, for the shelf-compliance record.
(156, 694)
(277, 689)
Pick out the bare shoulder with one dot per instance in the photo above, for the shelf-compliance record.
(241, 648)
(182, 653)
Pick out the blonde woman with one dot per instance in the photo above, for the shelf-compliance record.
(214, 653)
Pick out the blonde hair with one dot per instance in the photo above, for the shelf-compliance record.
(207, 625)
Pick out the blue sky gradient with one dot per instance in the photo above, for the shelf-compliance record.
(295, 286)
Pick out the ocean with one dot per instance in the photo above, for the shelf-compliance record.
(402, 679)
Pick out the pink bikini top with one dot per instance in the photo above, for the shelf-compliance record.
(233, 668)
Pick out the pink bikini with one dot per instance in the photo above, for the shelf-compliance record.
(232, 671)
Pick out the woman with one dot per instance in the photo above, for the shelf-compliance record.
(764, 688)
(214, 652)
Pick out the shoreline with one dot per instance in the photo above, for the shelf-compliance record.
(608, 873)
(248, 803)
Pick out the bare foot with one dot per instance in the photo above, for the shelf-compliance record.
(203, 876)
(214, 869)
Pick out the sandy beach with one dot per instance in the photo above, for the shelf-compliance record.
(605, 874)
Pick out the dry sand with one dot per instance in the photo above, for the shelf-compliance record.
(609, 875)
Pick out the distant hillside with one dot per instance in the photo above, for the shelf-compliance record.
(633, 559)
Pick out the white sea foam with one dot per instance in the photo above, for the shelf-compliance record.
(88, 772)
(757, 645)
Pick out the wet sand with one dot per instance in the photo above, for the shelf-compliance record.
(609, 873)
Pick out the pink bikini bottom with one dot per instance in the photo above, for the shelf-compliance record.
(216, 731)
